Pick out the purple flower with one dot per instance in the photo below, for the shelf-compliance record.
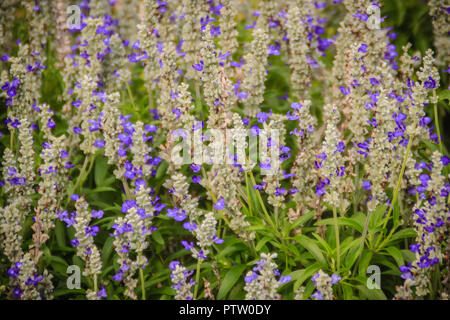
(99, 143)
(190, 226)
(173, 265)
(196, 179)
(374, 82)
(242, 95)
(274, 50)
(187, 245)
(17, 293)
(92, 231)
(363, 48)
(265, 165)
(345, 90)
(77, 130)
(251, 277)
(215, 31)
(430, 83)
(285, 279)
(313, 63)
(102, 293)
(367, 185)
(262, 116)
(254, 130)
(74, 197)
(97, 214)
(177, 214)
(340, 147)
(317, 295)
(220, 204)
(201, 255)
(13, 272)
(198, 66)
(335, 279)
(195, 168)
(217, 240)
(118, 276)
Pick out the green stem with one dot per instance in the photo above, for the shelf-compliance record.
(132, 99)
(11, 140)
(261, 202)
(338, 246)
(366, 228)
(81, 175)
(197, 278)
(408, 149)
(95, 284)
(150, 98)
(127, 188)
(248, 194)
(355, 203)
(141, 276)
(436, 121)
(198, 101)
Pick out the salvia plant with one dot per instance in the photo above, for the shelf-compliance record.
(224, 149)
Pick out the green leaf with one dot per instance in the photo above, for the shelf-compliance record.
(371, 294)
(323, 243)
(230, 279)
(402, 234)
(60, 233)
(396, 254)
(401, 11)
(63, 292)
(99, 189)
(302, 220)
(107, 249)
(158, 237)
(408, 255)
(351, 257)
(307, 273)
(59, 265)
(230, 249)
(348, 291)
(364, 262)
(312, 248)
(444, 95)
(348, 245)
(161, 170)
(101, 169)
(342, 222)
(396, 214)
(262, 242)
(377, 217)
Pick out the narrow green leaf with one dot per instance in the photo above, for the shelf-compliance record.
(402, 234)
(100, 172)
(158, 237)
(364, 262)
(396, 254)
(371, 294)
(229, 280)
(262, 242)
(312, 247)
